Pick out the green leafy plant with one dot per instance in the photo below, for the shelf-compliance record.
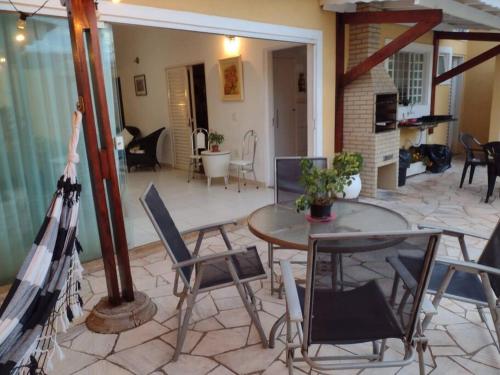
(215, 138)
(321, 185)
(348, 163)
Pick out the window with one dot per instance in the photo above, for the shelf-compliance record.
(407, 71)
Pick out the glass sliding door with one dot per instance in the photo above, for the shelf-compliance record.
(37, 96)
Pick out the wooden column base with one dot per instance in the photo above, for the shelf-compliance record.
(106, 318)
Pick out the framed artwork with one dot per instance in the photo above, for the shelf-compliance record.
(140, 85)
(231, 78)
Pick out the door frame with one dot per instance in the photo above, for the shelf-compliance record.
(190, 21)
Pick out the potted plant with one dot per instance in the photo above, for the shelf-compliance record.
(215, 140)
(321, 187)
(349, 164)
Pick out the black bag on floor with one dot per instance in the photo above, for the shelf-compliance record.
(439, 157)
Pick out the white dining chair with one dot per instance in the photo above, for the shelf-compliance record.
(198, 144)
(246, 163)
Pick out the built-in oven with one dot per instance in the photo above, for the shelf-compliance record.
(386, 112)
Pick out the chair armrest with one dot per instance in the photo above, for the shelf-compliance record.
(207, 258)
(453, 232)
(470, 267)
(292, 297)
(403, 273)
(209, 227)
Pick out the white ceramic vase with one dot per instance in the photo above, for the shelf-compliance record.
(352, 191)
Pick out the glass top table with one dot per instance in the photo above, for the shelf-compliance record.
(285, 227)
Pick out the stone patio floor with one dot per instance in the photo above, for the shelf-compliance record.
(221, 341)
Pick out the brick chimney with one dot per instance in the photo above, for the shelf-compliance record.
(380, 150)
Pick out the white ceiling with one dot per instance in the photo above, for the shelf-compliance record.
(457, 14)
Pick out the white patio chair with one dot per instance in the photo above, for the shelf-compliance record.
(198, 144)
(246, 163)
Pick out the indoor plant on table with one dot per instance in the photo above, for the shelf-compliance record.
(321, 187)
(349, 164)
(215, 140)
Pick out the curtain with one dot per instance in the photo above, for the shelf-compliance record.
(37, 97)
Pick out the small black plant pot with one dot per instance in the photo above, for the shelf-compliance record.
(321, 212)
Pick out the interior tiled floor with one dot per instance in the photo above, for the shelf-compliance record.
(220, 340)
(190, 204)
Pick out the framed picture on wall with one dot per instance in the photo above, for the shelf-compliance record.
(231, 78)
(140, 85)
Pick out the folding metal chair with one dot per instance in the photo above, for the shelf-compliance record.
(353, 306)
(230, 268)
(462, 280)
(287, 188)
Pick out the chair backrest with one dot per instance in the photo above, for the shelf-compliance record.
(166, 229)
(349, 282)
(199, 140)
(249, 146)
(470, 143)
(492, 150)
(287, 186)
(491, 257)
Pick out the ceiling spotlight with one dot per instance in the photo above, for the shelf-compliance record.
(116, 1)
(3, 60)
(21, 26)
(21, 22)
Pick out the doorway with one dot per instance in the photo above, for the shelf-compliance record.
(187, 109)
(290, 101)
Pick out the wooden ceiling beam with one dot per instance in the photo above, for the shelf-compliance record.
(492, 52)
(396, 16)
(433, 19)
(469, 36)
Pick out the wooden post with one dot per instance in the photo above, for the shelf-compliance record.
(339, 90)
(435, 57)
(84, 33)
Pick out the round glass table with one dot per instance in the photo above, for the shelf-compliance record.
(284, 227)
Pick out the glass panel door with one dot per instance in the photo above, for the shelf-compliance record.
(37, 96)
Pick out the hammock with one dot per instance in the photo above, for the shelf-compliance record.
(44, 298)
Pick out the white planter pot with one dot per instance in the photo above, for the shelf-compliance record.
(352, 191)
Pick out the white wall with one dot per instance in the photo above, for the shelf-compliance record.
(159, 49)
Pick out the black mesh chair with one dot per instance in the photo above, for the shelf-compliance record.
(474, 156)
(142, 151)
(492, 152)
(287, 188)
(230, 268)
(353, 306)
(462, 280)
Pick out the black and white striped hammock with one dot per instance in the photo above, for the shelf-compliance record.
(44, 298)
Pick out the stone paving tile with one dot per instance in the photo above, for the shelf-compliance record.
(103, 368)
(94, 343)
(250, 359)
(192, 338)
(145, 358)
(138, 335)
(71, 362)
(190, 365)
(220, 340)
